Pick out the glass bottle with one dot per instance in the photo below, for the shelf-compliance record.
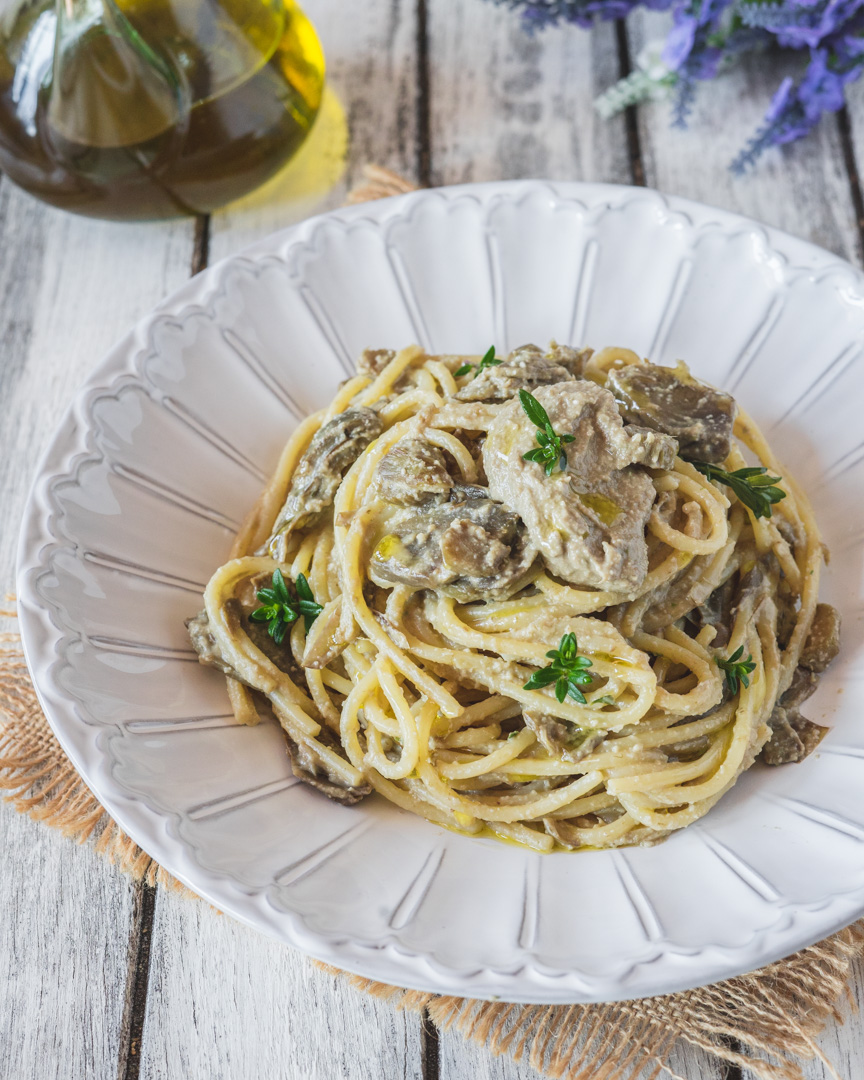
(153, 108)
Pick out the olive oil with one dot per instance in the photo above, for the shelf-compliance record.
(140, 109)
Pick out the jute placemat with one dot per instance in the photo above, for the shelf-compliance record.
(766, 1021)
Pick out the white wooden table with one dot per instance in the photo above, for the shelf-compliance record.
(100, 978)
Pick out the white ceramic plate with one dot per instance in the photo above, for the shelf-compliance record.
(165, 449)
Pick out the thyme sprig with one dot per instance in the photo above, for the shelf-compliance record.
(306, 602)
(567, 671)
(550, 452)
(488, 360)
(279, 609)
(736, 669)
(754, 488)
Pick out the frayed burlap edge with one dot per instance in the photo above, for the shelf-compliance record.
(378, 183)
(763, 1021)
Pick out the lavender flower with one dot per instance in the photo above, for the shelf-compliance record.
(796, 109)
(708, 36)
(679, 44)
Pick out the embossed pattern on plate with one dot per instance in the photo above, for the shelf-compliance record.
(164, 451)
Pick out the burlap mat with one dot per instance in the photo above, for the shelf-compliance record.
(766, 1021)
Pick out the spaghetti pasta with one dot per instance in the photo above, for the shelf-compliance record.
(429, 542)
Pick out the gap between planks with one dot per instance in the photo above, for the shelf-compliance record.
(844, 127)
(430, 1060)
(423, 120)
(201, 244)
(631, 121)
(137, 982)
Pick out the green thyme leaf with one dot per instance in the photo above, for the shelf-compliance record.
(753, 487)
(279, 609)
(534, 410)
(302, 587)
(568, 671)
(280, 588)
(736, 669)
(541, 678)
(306, 602)
(488, 360)
(550, 453)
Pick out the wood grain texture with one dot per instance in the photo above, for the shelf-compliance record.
(506, 105)
(802, 188)
(226, 1003)
(63, 956)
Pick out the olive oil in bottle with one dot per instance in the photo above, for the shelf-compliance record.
(140, 109)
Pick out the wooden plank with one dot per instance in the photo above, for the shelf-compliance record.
(63, 955)
(226, 1002)
(802, 188)
(371, 89)
(506, 105)
(71, 287)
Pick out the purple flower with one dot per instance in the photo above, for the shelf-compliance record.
(811, 24)
(691, 47)
(704, 64)
(780, 101)
(851, 47)
(794, 127)
(821, 90)
(679, 43)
